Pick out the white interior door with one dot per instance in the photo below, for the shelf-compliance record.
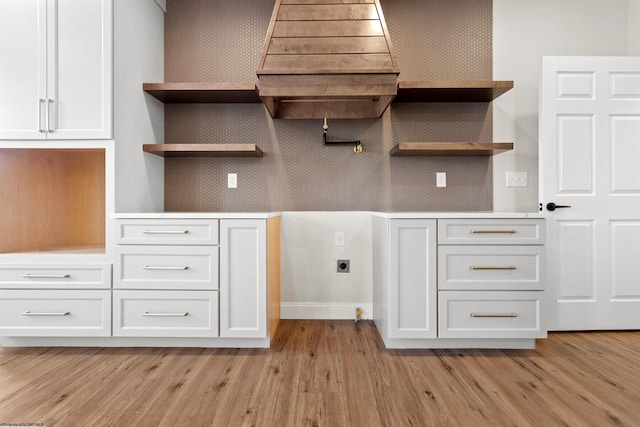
(590, 161)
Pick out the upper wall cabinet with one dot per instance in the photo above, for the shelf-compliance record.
(57, 66)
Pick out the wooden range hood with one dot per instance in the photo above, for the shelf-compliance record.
(327, 59)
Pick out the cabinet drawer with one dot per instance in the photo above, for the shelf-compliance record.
(167, 232)
(55, 276)
(490, 314)
(491, 231)
(55, 313)
(165, 314)
(490, 267)
(172, 267)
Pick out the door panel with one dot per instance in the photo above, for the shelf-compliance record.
(589, 161)
(23, 61)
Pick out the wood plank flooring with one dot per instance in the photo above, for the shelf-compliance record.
(328, 373)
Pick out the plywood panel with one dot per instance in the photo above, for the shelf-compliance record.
(327, 29)
(335, 63)
(51, 199)
(316, 45)
(327, 12)
(273, 273)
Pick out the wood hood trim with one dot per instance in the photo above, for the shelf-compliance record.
(327, 59)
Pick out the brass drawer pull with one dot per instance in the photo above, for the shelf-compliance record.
(147, 314)
(45, 276)
(493, 231)
(510, 268)
(496, 316)
(28, 313)
(165, 232)
(155, 267)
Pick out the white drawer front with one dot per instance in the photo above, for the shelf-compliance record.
(165, 314)
(491, 267)
(491, 231)
(172, 267)
(167, 232)
(55, 313)
(490, 314)
(55, 276)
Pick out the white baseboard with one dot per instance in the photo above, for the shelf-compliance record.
(321, 310)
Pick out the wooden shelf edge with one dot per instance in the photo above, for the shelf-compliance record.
(203, 150)
(177, 93)
(452, 91)
(450, 148)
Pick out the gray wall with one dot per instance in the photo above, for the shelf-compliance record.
(209, 41)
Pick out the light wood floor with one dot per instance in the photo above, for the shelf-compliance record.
(328, 373)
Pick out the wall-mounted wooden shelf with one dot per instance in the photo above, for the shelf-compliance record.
(177, 93)
(203, 150)
(450, 148)
(451, 91)
(408, 91)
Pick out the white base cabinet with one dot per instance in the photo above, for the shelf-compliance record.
(458, 282)
(182, 277)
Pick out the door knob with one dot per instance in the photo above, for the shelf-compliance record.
(552, 206)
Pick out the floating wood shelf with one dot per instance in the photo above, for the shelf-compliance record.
(176, 93)
(450, 148)
(451, 91)
(408, 91)
(203, 150)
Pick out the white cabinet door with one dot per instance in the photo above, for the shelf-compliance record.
(243, 278)
(57, 60)
(412, 279)
(23, 54)
(80, 69)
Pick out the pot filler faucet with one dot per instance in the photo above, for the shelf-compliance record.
(357, 145)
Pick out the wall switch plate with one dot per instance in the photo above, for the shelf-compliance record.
(517, 179)
(339, 238)
(232, 180)
(441, 179)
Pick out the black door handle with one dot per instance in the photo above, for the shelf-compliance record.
(552, 206)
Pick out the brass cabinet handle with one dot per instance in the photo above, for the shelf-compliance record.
(490, 315)
(493, 231)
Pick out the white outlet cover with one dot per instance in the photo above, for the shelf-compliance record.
(232, 180)
(517, 179)
(339, 238)
(441, 179)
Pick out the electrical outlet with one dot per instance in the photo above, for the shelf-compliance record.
(339, 238)
(517, 179)
(232, 180)
(343, 265)
(441, 179)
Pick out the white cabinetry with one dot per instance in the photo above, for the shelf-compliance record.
(197, 278)
(446, 283)
(243, 278)
(487, 270)
(55, 300)
(169, 256)
(57, 60)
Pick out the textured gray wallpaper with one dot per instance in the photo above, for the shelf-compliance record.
(215, 41)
